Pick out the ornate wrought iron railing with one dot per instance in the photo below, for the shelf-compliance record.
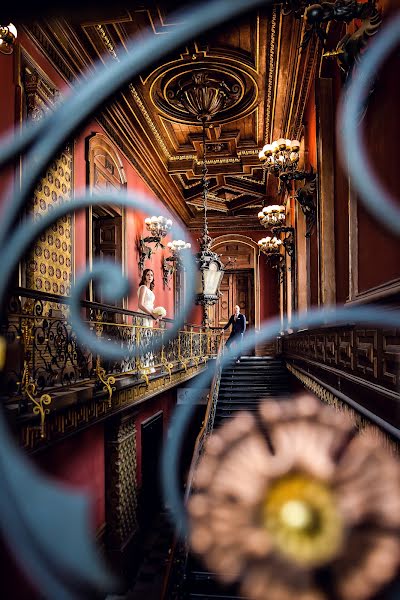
(43, 354)
(174, 576)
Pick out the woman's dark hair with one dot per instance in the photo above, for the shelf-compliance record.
(143, 280)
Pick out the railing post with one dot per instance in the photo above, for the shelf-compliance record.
(28, 386)
(109, 381)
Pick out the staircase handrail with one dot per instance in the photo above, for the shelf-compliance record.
(205, 430)
(208, 421)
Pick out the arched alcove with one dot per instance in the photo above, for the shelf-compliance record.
(241, 281)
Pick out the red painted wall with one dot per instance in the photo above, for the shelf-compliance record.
(7, 113)
(135, 226)
(78, 461)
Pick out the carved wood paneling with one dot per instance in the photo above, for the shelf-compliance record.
(361, 363)
(366, 359)
(391, 356)
(331, 349)
(370, 354)
(345, 349)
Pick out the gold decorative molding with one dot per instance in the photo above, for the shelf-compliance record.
(252, 180)
(149, 121)
(107, 381)
(75, 417)
(39, 403)
(111, 50)
(183, 157)
(271, 70)
(107, 41)
(218, 161)
(253, 151)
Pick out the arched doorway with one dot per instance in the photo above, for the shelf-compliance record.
(241, 282)
(106, 224)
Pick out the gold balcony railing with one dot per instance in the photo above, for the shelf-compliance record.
(44, 357)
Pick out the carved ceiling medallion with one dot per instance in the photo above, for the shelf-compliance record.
(189, 95)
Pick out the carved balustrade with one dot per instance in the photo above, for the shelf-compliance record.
(358, 363)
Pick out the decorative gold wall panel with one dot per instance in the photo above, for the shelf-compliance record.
(49, 267)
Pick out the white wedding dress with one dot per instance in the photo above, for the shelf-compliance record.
(147, 358)
(148, 302)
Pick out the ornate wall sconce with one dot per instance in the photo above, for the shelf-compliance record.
(173, 262)
(270, 246)
(305, 196)
(158, 227)
(350, 47)
(272, 215)
(317, 15)
(288, 241)
(282, 156)
(8, 35)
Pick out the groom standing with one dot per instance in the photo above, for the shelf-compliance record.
(238, 322)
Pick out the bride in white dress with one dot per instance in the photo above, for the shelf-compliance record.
(146, 299)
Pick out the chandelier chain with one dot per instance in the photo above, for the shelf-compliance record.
(204, 180)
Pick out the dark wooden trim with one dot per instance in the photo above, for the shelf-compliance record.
(389, 291)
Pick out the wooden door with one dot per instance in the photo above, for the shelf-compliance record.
(107, 243)
(237, 287)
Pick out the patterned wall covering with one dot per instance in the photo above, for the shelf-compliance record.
(49, 267)
(121, 485)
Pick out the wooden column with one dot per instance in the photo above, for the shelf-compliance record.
(325, 149)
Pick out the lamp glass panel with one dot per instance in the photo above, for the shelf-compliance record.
(212, 278)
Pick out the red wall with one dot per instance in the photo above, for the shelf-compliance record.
(79, 462)
(135, 227)
(7, 113)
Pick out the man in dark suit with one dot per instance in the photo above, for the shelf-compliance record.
(238, 322)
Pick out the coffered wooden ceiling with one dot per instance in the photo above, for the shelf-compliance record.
(256, 56)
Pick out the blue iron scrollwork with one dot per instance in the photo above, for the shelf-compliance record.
(35, 513)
